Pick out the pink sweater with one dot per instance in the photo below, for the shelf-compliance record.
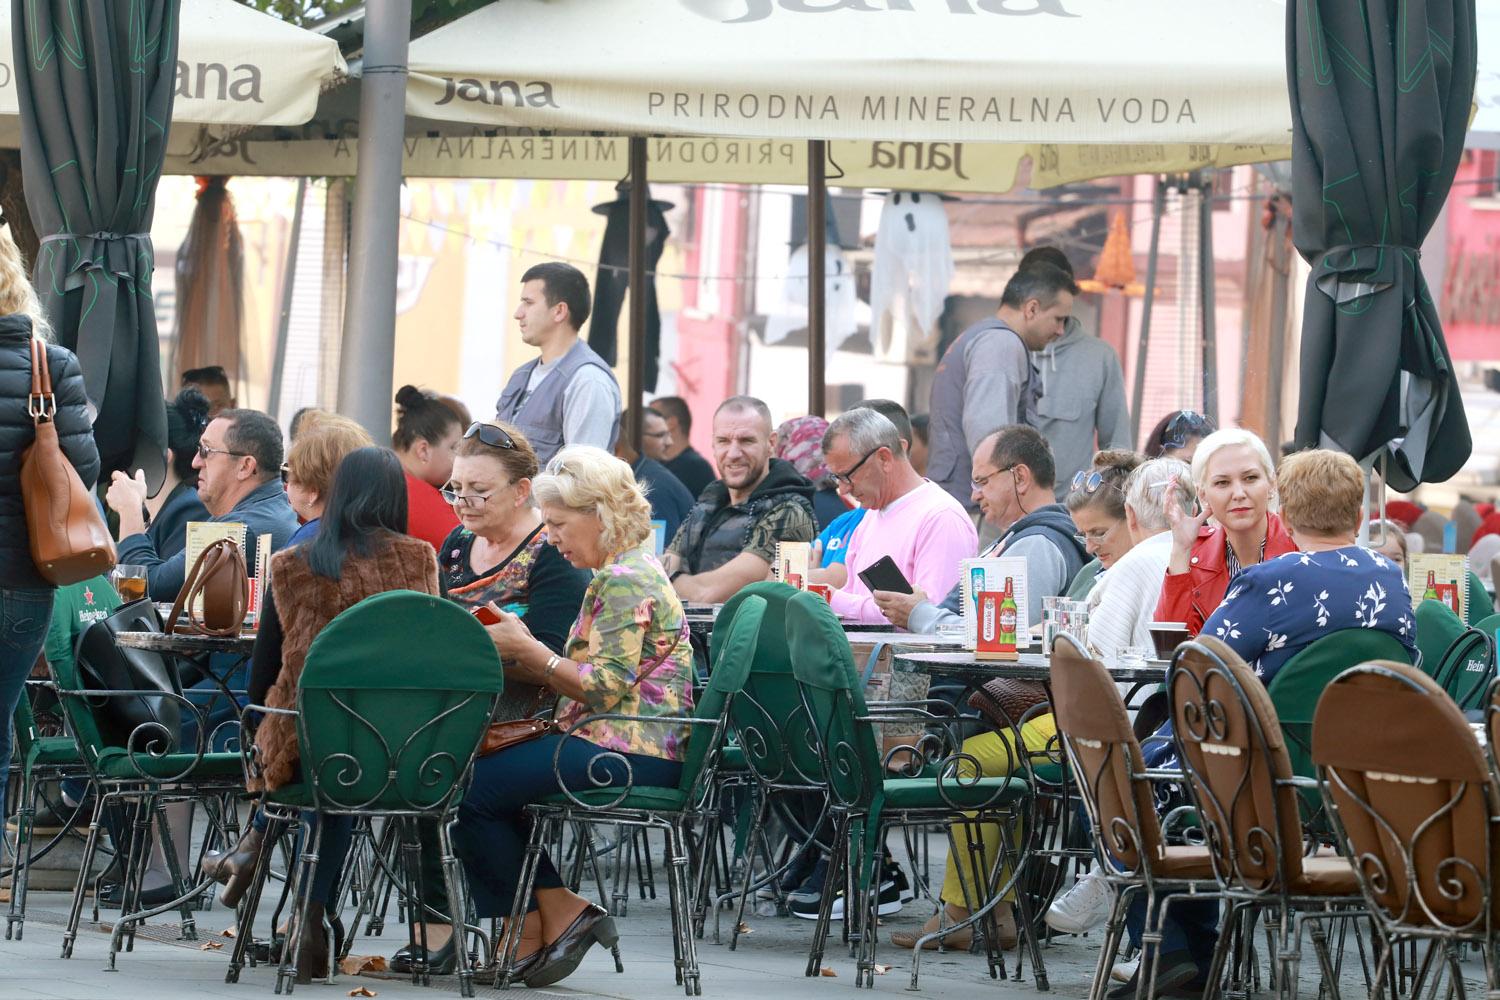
(925, 532)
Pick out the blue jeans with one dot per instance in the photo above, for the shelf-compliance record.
(492, 830)
(217, 708)
(25, 614)
(1191, 925)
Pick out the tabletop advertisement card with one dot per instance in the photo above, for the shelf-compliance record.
(980, 575)
(793, 560)
(202, 534)
(1439, 577)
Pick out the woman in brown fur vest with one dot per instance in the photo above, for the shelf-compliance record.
(361, 549)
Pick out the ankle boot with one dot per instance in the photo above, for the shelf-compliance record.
(237, 867)
(315, 959)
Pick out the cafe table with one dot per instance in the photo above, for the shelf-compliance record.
(1028, 666)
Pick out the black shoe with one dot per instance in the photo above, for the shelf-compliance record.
(888, 904)
(593, 925)
(811, 889)
(791, 879)
(111, 894)
(442, 962)
(1177, 975)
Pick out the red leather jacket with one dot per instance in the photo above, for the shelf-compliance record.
(1192, 596)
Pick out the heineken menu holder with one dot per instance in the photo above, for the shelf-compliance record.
(997, 576)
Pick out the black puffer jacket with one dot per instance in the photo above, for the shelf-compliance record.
(74, 429)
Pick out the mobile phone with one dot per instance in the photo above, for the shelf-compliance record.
(884, 574)
(485, 615)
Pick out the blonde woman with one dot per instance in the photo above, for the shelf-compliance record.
(310, 466)
(627, 654)
(26, 598)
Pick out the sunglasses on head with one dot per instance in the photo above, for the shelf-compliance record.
(1090, 482)
(1183, 428)
(491, 435)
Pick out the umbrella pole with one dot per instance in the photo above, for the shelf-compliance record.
(1281, 269)
(817, 247)
(1158, 208)
(368, 355)
(1207, 275)
(284, 316)
(635, 376)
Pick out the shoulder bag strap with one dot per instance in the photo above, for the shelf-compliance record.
(41, 404)
(191, 584)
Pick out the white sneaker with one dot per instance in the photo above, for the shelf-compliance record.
(1082, 907)
(1122, 971)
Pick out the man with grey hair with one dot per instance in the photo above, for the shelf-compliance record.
(1123, 604)
(729, 538)
(912, 520)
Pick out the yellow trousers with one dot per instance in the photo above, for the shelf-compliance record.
(997, 758)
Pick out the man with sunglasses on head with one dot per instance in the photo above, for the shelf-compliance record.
(729, 537)
(239, 480)
(567, 395)
(1012, 475)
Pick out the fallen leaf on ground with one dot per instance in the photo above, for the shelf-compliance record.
(363, 991)
(829, 973)
(881, 970)
(211, 946)
(744, 928)
(227, 932)
(353, 965)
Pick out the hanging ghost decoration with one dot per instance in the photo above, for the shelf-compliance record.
(840, 301)
(913, 267)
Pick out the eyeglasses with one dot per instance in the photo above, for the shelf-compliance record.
(1183, 428)
(474, 501)
(204, 451)
(491, 435)
(847, 478)
(982, 481)
(1095, 535)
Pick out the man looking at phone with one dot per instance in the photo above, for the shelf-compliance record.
(914, 533)
(1012, 482)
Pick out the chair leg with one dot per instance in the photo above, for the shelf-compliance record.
(20, 867)
(457, 906)
(1114, 931)
(837, 864)
(286, 976)
(510, 941)
(682, 943)
(757, 828)
(75, 913)
(250, 903)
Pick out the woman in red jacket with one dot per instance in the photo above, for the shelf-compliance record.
(1236, 484)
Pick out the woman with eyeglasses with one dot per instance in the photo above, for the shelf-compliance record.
(1177, 435)
(497, 555)
(1096, 502)
(1236, 484)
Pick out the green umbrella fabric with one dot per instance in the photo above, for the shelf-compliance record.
(95, 82)
(1380, 92)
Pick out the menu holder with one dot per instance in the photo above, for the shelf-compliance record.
(989, 574)
(793, 561)
(202, 534)
(1442, 577)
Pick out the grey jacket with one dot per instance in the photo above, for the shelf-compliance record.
(1082, 408)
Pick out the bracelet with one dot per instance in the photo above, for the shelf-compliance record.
(552, 662)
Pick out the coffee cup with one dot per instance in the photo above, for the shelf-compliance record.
(1166, 636)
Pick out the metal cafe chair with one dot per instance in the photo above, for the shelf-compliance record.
(1240, 779)
(1414, 799)
(673, 811)
(1111, 778)
(384, 729)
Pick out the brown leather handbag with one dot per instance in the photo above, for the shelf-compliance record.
(218, 577)
(69, 540)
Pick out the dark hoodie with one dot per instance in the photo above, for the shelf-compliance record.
(778, 510)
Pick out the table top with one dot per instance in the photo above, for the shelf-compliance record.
(1029, 666)
(162, 642)
(926, 640)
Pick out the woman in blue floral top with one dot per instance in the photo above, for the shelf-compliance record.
(627, 654)
(1276, 608)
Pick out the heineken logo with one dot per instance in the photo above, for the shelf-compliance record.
(500, 93)
(747, 11)
(211, 81)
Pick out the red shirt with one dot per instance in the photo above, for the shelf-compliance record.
(1192, 596)
(428, 516)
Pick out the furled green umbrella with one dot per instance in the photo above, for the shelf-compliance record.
(95, 87)
(1380, 93)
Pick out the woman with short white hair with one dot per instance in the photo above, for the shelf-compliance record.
(627, 655)
(1235, 480)
(1123, 604)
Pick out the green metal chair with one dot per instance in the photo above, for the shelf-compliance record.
(671, 810)
(1481, 605)
(866, 802)
(38, 759)
(1437, 627)
(1467, 668)
(1300, 682)
(393, 700)
(1490, 624)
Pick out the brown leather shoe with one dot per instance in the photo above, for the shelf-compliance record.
(238, 867)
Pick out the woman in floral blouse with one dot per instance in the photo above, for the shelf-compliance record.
(1276, 608)
(627, 654)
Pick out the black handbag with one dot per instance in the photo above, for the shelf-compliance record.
(104, 665)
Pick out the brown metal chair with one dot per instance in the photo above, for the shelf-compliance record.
(1415, 801)
(1232, 749)
(1132, 853)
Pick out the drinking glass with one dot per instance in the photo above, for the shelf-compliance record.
(130, 582)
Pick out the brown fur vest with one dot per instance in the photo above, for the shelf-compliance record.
(305, 602)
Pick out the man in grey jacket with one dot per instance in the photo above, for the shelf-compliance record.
(985, 380)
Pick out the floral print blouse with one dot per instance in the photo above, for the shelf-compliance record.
(631, 618)
(1276, 608)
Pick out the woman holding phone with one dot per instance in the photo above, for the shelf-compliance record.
(498, 554)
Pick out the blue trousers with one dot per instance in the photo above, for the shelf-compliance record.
(492, 830)
(25, 614)
(1191, 925)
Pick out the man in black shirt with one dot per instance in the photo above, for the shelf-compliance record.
(691, 468)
